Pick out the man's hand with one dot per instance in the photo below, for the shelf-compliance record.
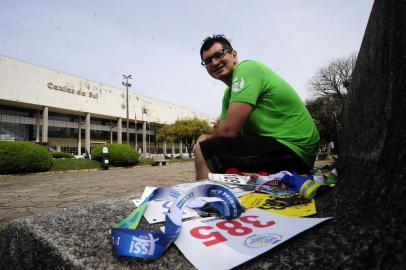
(238, 114)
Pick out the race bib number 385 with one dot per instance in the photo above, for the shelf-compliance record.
(233, 242)
(228, 228)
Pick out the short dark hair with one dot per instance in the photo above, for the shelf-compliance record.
(209, 41)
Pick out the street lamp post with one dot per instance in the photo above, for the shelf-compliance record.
(144, 143)
(126, 84)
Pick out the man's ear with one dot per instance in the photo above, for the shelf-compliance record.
(234, 53)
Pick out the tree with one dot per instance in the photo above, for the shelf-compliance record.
(154, 127)
(334, 79)
(329, 86)
(166, 133)
(323, 110)
(187, 131)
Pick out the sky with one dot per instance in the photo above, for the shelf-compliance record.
(158, 41)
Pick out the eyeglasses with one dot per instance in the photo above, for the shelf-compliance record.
(216, 56)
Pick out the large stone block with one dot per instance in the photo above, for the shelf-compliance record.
(373, 156)
(73, 238)
(79, 238)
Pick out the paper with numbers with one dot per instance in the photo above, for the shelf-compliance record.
(213, 243)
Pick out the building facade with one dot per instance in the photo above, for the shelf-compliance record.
(74, 115)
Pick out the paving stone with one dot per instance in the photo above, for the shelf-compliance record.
(22, 195)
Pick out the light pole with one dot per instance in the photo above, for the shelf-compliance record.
(144, 127)
(126, 84)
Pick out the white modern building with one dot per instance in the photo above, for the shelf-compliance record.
(74, 115)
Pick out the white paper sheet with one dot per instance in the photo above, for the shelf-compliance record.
(234, 242)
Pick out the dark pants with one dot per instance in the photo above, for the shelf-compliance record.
(251, 154)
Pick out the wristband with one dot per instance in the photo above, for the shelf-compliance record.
(132, 242)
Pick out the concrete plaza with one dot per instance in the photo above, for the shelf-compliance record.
(24, 195)
(28, 194)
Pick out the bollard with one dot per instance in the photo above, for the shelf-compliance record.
(105, 158)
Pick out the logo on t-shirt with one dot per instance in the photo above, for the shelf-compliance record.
(238, 84)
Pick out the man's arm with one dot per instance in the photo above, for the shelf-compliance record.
(238, 113)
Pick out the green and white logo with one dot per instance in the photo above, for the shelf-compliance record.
(238, 84)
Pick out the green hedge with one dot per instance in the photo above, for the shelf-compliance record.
(62, 155)
(119, 154)
(22, 157)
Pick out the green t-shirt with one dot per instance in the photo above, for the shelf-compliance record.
(278, 111)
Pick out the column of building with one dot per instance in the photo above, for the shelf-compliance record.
(38, 125)
(144, 137)
(45, 125)
(111, 131)
(87, 134)
(136, 136)
(79, 136)
(120, 131)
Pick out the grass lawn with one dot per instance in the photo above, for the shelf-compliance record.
(144, 161)
(177, 160)
(148, 161)
(73, 164)
(83, 164)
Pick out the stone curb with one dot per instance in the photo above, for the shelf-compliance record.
(83, 170)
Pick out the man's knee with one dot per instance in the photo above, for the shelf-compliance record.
(201, 138)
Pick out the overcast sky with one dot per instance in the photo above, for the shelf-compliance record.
(158, 41)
